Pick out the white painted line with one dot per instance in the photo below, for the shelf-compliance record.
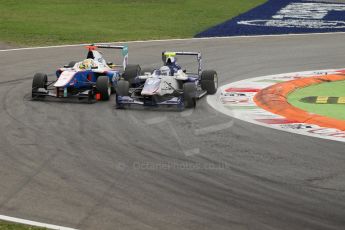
(168, 40)
(33, 223)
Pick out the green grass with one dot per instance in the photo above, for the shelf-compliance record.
(335, 89)
(43, 22)
(12, 226)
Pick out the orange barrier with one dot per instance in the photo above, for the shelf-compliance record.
(274, 99)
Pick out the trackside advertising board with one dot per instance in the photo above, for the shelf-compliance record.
(284, 17)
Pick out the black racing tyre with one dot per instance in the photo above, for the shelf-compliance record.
(147, 70)
(209, 81)
(189, 94)
(40, 81)
(103, 86)
(131, 72)
(71, 64)
(122, 88)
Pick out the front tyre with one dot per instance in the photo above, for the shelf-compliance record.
(40, 81)
(122, 89)
(189, 94)
(103, 86)
(209, 81)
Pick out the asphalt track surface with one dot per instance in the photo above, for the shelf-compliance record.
(89, 166)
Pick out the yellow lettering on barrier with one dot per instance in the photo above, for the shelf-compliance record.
(341, 100)
(321, 100)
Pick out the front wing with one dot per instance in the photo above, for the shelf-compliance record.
(149, 101)
(42, 92)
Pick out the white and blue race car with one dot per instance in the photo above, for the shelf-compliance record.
(92, 78)
(168, 85)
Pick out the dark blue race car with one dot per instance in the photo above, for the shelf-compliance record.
(168, 85)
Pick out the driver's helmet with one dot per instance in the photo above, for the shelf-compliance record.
(165, 71)
(87, 64)
(170, 58)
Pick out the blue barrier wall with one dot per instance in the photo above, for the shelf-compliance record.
(284, 17)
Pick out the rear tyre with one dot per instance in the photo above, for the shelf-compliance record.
(103, 86)
(131, 72)
(122, 89)
(189, 94)
(40, 81)
(209, 81)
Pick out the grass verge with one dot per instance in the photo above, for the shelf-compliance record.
(13, 226)
(41, 22)
(332, 89)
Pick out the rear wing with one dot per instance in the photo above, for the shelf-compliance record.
(124, 51)
(166, 54)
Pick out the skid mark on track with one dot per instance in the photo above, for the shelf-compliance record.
(22, 185)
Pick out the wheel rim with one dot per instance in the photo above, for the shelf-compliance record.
(216, 81)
